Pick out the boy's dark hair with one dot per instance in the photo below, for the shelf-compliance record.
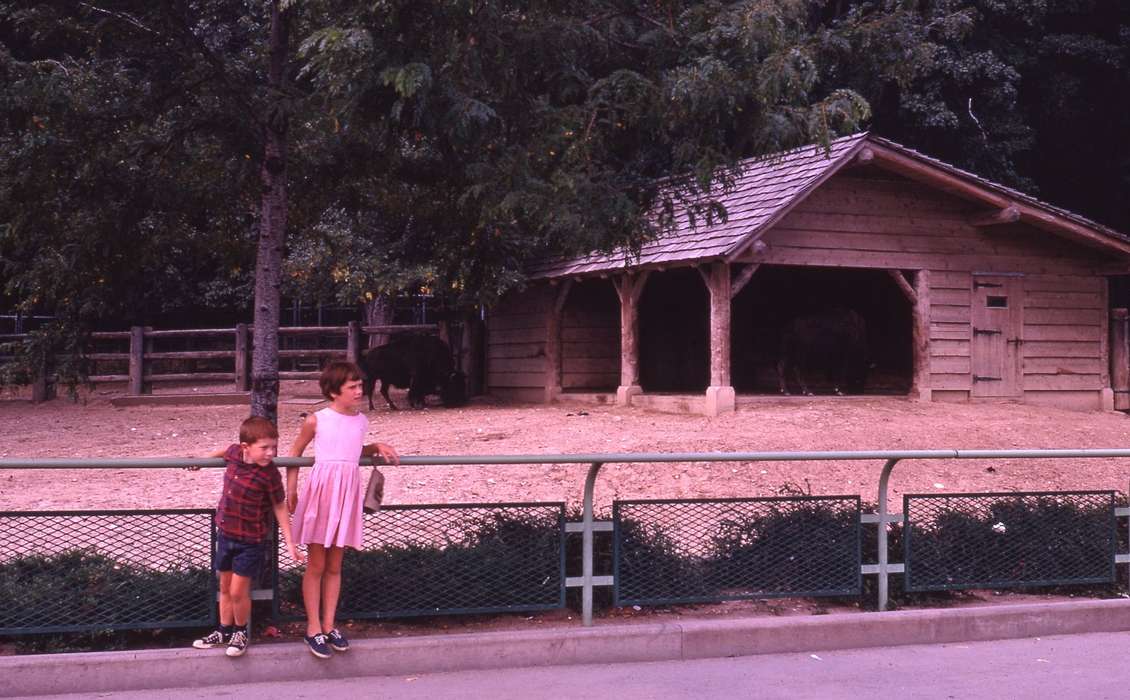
(335, 374)
(257, 428)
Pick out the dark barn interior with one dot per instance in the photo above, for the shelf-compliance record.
(776, 295)
(674, 328)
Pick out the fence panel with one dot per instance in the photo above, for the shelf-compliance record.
(699, 550)
(78, 571)
(1001, 540)
(436, 559)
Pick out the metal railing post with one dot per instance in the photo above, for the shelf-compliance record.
(586, 550)
(883, 583)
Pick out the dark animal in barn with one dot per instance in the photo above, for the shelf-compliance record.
(830, 346)
(420, 363)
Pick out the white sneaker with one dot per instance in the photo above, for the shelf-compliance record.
(238, 644)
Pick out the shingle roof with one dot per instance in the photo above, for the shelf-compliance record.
(762, 194)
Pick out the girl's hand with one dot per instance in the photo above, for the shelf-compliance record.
(297, 555)
(291, 501)
(388, 454)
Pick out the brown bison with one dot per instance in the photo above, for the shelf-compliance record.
(420, 363)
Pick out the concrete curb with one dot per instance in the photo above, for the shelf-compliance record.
(104, 672)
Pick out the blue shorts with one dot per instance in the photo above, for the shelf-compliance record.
(243, 558)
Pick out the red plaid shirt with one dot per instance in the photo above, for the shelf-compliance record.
(249, 494)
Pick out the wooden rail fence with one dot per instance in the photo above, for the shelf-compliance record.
(141, 356)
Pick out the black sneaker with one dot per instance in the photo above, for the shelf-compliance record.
(238, 643)
(317, 646)
(337, 640)
(215, 639)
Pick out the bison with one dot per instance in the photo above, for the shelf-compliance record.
(831, 343)
(420, 363)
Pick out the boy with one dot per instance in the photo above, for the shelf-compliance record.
(252, 486)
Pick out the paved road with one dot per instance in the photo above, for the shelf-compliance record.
(1093, 666)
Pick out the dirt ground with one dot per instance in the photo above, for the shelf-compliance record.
(92, 428)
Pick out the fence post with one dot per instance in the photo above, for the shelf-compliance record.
(353, 342)
(883, 583)
(242, 380)
(1120, 358)
(136, 360)
(586, 545)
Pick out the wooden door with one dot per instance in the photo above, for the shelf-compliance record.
(997, 322)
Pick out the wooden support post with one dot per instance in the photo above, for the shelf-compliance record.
(353, 342)
(242, 356)
(920, 336)
(136, 361)
(1006, 215)
(720, 396)
(904, 286)
(629, 287)
(743, 278)
(1106, 393)
(1120, 358)
(553, 359)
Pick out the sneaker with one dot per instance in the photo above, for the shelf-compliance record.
(317, 646)
(337, 640)
(213, 640)
(238, 643)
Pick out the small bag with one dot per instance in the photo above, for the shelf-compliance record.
(375, 491)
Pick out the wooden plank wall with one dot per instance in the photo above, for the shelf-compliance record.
(950, 332)
(516, 344)
(861, 219)
(590, 341)
(1064, 353)
(590, 337)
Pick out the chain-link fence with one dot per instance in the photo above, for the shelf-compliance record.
(428, 560)
(1009, 539)
(669, 551)
(78, 571)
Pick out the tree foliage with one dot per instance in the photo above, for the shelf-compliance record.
(444, 144)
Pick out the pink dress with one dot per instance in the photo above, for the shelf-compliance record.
(329, 509)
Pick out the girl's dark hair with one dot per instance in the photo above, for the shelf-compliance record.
(335, 374)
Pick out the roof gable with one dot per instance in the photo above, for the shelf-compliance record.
(769, 188)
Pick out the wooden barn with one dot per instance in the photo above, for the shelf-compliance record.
(959, 290)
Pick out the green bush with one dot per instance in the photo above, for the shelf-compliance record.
(779, 551)
(764, 553)
(1014, 541)
(500, 561)
(84, 588)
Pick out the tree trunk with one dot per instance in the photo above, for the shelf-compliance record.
(272, 235)
(379, 312)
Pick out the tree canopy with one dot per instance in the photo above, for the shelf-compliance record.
(447, 143)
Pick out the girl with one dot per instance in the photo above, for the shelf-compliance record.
(327, 517)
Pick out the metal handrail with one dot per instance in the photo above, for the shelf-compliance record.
(590, 458)
(597, 460)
